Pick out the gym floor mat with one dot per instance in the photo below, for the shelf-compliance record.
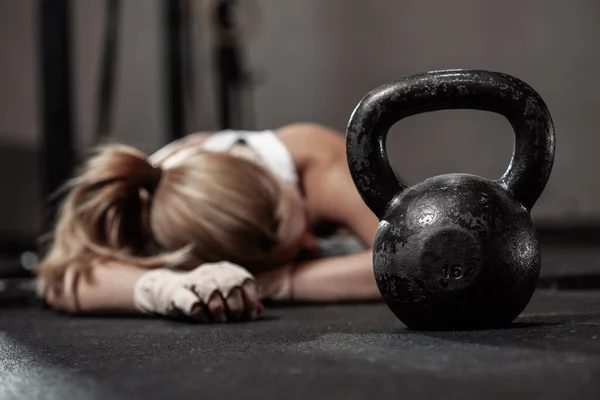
(319, 352)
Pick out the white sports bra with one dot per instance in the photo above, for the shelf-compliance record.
(265, 144)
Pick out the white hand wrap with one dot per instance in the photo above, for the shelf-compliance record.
(164, 291)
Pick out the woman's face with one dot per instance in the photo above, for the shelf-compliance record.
(295, 232)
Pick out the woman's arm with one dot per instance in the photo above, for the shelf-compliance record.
(109, 288)
(331, 196)
(320, 155)
(211, 292)
(342, 278)
(335, 279)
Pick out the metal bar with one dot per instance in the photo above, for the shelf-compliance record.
(57, 143)
(174, 67)
(108, 65)
(225, 57)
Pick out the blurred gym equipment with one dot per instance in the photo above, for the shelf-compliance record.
(57, 144)
(234, 23)
(57, 147)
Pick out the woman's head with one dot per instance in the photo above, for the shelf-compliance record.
(295, 228)
(225, 206)
(204, 208)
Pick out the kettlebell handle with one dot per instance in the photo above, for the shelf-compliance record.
(533, 152)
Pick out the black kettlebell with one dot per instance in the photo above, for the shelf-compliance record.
(455, 251)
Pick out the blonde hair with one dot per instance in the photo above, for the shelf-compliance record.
(206, 208)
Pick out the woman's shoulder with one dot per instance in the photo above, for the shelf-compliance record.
(311, 143)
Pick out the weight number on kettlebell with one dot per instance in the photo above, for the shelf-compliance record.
(453, 272)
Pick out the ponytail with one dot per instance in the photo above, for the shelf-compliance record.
(105, 215)
(207, 207)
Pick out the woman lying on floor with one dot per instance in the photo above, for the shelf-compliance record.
(209, 227)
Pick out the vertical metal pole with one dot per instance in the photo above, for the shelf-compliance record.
(57, 144)
(108, 66)
(174, 13)
(225, 58)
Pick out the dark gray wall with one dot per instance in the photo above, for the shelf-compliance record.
(321, 57)
(19, 123)
(138, 109)
(317, 59)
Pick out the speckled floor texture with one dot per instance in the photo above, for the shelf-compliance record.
(356, 351)
(314, 352)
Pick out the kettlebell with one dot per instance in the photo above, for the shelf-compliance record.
(455, 251)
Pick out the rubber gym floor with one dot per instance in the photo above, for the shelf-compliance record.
(350, 351)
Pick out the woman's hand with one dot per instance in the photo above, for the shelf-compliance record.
(218, 292)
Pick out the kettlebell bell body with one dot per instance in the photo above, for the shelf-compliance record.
(455, 251)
